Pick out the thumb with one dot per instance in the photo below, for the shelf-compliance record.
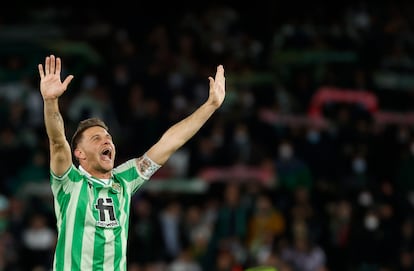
(211, 81)
(68, 79)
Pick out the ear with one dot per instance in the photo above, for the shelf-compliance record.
(79, 154)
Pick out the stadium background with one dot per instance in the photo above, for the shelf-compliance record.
(308, 166)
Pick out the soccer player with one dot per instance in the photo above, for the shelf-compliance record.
(92, 201)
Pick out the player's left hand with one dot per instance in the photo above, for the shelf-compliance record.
(217, 87)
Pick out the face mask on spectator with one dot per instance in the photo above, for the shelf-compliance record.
(285, 151)
(365, 199)
(359, 165)
(313, 136)
(371, 222)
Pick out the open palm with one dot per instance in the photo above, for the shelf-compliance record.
(51, 86)
(217, 87)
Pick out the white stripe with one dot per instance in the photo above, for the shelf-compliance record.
(109, 250)
(70, 223)
(88, 239)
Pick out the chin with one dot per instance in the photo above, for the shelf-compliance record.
(107, 166)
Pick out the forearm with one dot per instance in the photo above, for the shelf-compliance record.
(182, 131)
(54, 122)
(178, 134)
(60, 153)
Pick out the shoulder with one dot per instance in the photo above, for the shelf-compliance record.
(127, 170)
(72, 173)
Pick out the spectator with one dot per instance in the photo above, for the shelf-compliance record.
(266, 225)
(230, 229)
(172, 231)
(39, 241)
(292, 172)
(145, 233)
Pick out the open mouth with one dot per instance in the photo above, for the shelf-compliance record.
(106, 154)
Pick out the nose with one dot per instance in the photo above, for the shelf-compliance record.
(107, 141)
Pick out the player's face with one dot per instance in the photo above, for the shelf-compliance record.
(98, 149)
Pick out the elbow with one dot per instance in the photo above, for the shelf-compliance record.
(60, 149)
(56, 146)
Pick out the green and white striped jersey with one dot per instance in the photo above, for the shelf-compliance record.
(92, 218)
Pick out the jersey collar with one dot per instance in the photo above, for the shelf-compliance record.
(114, 186)
(94, 180)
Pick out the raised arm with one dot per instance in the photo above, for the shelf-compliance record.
(51, 88)
(178, 134)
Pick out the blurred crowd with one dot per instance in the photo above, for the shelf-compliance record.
(287, 191)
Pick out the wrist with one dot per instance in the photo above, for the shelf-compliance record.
(50, 101)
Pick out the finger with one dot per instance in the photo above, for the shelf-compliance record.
(67, 80)
(52, 64)
(47, 65)
(220, 72)
(41, 72)
(58, 65)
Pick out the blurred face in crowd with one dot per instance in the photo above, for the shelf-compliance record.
(285, 151)
(264, 205)
(232, 195)
(96, 151)
(371, 221)
(359, 165)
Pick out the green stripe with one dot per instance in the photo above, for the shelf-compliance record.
(99, 250)
(127, 201)
(127, 171)
(99, 244)
(79, 225)
(62, 198)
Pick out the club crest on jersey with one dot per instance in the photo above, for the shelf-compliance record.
(116, 187)
(106, 211)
